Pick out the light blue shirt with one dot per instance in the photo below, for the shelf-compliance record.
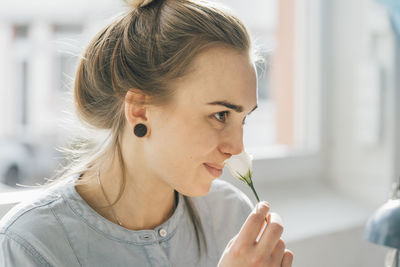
(58, 228)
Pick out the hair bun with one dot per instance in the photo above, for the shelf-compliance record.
(138, 3)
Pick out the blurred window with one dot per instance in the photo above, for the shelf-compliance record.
(285, 123)
(22, 45)
(67, 44)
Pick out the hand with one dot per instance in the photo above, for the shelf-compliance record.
(243, 250)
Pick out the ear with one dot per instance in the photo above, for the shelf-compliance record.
(135, 107)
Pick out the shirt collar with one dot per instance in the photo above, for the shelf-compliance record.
(112, 230)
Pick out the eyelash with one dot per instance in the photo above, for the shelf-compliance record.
(226, 113)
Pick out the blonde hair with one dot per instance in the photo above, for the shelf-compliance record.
(144, 49)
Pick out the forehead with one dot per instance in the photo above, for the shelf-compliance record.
(219, 73)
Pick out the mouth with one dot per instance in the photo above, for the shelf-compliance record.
(213, 169)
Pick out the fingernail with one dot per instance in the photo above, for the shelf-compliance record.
(275, 218)
(262, 204)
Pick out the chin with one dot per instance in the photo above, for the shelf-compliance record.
(199, 190)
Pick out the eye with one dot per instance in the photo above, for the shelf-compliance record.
(221, 116)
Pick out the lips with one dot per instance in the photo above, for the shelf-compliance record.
(214, 169)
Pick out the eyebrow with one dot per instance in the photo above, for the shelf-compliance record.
(234, 107)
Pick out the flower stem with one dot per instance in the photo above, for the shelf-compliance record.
(254, 191)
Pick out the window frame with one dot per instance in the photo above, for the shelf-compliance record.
(306, 162)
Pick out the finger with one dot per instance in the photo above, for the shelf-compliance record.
(231, 241)
(287, 259)
(277, 253)
(272, 233)
(253, 223)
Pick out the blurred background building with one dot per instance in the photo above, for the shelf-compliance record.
(40, 44)
(325, 136)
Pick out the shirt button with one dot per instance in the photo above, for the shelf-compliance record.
(162, 232)
(145, 237)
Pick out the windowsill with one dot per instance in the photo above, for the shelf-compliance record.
(12, 197)
(318, 210)
(15, 196)
(280, 152)
(308, 208)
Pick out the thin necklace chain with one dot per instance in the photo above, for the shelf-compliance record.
(108, 201)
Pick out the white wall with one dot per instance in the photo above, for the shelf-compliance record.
(362, 170)
(6, 93)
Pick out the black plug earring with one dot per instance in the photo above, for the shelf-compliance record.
(140, 130)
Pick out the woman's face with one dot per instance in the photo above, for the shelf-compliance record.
(202, 126)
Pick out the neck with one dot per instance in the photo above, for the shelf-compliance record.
(146, 202)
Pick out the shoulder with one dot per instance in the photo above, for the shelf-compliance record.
(36, 209)
(29, 229)
(33, 208)
(228, 196)
(223, 211)
(15, 251)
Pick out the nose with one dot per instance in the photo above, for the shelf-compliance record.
(232, 143)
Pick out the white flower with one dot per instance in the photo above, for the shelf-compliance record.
(241, 167)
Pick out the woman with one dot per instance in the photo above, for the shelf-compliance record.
(172, 83)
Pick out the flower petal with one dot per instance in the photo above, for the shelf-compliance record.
(240, 166)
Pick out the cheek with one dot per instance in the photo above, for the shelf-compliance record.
(178, 157)
(200, 139)
(183, 144)
(191, 145)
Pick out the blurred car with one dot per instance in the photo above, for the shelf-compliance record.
(23, 162)
(16, 161)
